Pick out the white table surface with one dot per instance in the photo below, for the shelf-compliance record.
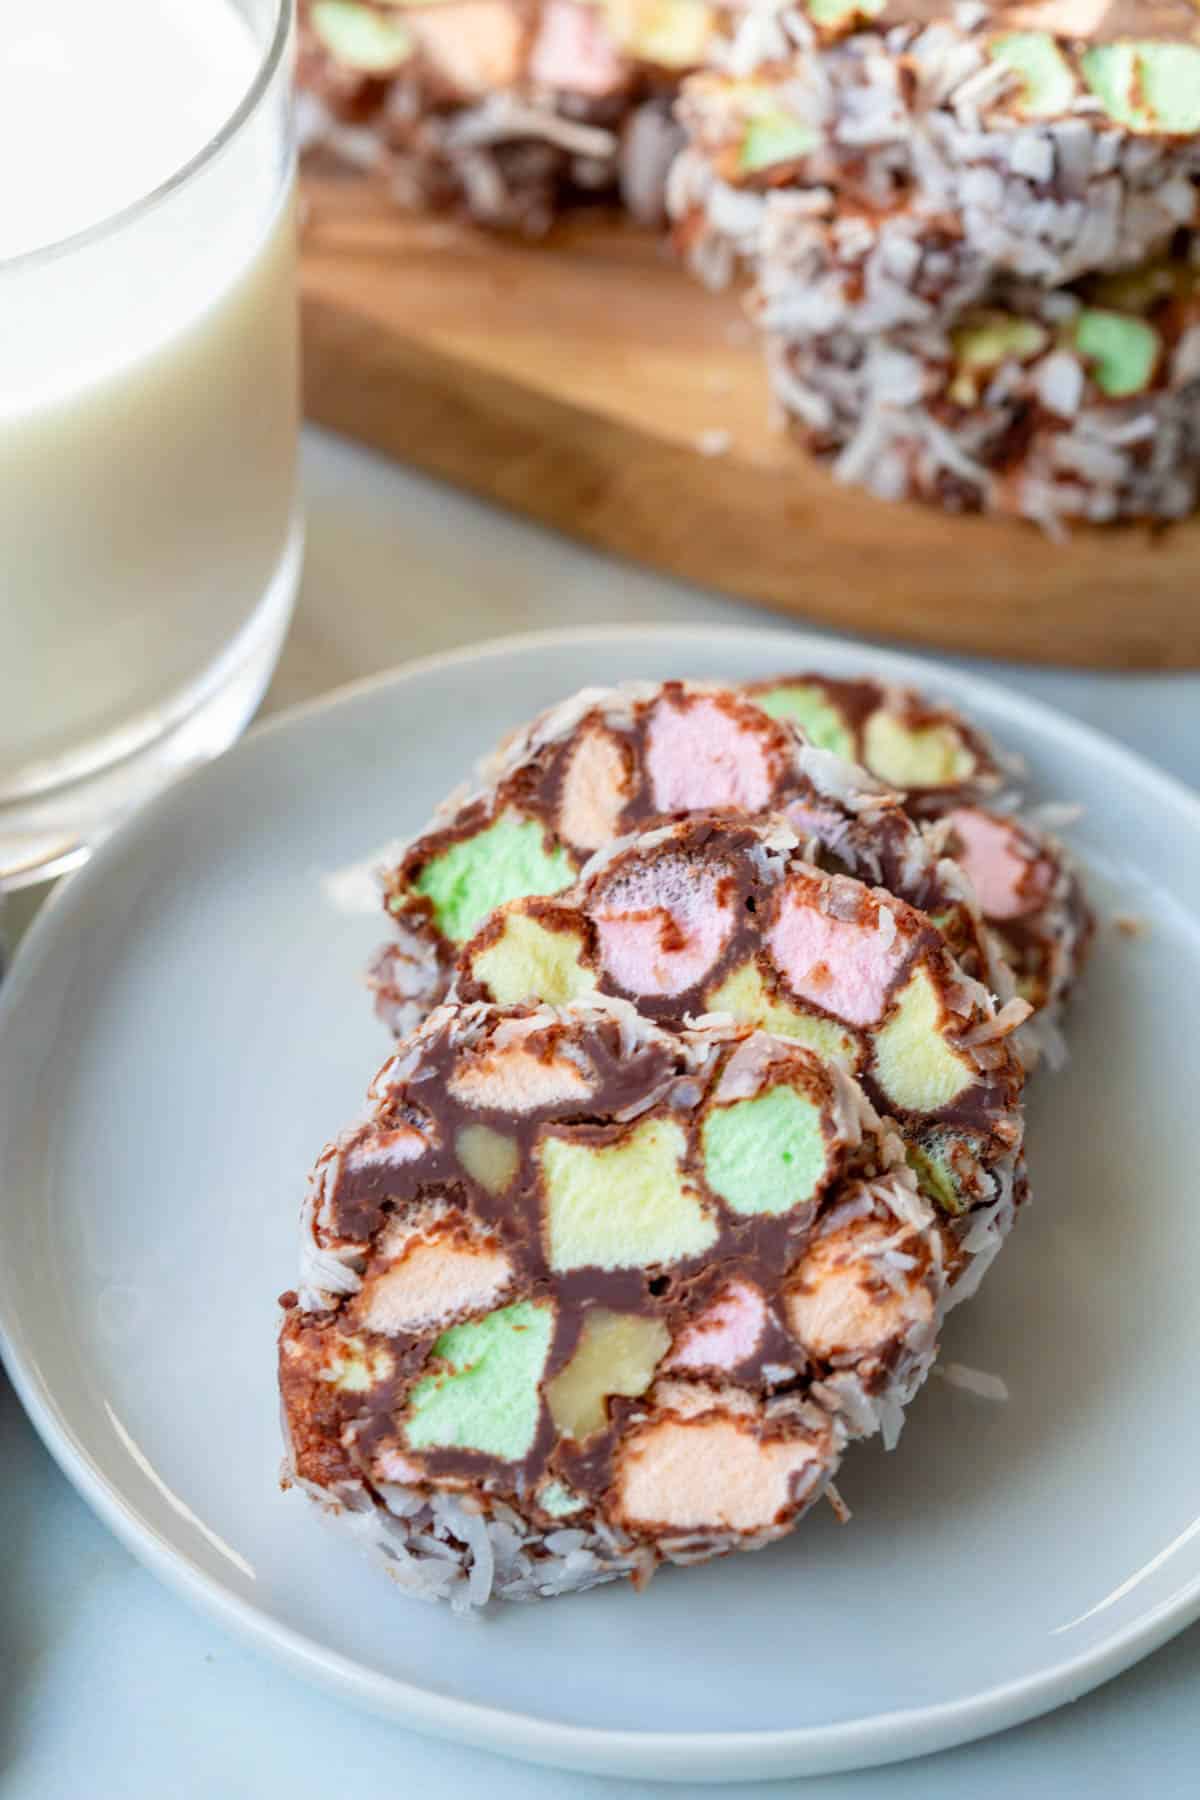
(110, 1686)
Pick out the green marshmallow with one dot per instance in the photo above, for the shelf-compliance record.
(803, 704)
(930, 1163)
(360, 38)
(1149, 87)
(486, 1398)
(508, 860)
(766, 1155)
(623, 1205)
(528, 961)
(913, 1064)
(1123, 352)
(1047, 79)
(558, 1500)
(1171, 83)
(773, 138)
(1110, 71)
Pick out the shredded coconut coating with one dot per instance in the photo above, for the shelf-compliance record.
(1079, 404)
(1048, 182)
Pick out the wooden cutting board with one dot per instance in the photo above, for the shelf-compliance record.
(590, 385)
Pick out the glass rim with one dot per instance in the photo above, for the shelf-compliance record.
(112, 223)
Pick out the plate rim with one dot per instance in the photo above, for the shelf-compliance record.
(864, 1742)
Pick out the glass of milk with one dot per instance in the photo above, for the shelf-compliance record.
(150, 536)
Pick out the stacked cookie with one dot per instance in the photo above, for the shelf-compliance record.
(970, 230)
(511, 110)
(707, 1106)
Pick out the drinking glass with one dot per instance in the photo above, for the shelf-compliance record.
(150, 531)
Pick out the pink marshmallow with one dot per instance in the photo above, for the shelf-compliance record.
(662, 926)
(846, 968)
(654, 954)
(431, 1282)
(842, 1305)
(699, 756)
(1008, 884)
(716, 1474)
(726, 1334)
(574, 51)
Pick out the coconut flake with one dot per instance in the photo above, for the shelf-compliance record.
(973, 1381)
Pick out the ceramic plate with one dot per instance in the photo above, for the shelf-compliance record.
(185, 1027)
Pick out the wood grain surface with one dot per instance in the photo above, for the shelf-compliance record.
(589, 385)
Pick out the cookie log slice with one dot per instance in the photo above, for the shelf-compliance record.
(611, 761)
(583, 1296)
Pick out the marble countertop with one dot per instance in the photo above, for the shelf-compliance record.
(111, 1686)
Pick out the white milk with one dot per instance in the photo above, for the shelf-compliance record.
(147, 373)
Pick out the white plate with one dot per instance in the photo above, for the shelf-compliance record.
(185, 1027)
